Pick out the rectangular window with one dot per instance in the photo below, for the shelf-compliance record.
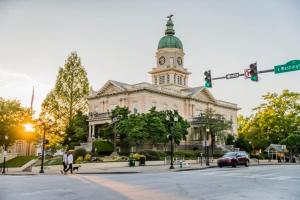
(171, 61)
(155, 80)
(174, 78)
(161, 79)
(168, 78)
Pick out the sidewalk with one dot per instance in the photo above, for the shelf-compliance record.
(123, 168)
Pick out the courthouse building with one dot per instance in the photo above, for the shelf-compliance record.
(169, 90)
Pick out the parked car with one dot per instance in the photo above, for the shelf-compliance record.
(233, 159)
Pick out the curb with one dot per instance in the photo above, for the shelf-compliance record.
(120, 172)
(192, 169)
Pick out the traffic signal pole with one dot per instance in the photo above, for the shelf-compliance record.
(252, 72)
(242, 74)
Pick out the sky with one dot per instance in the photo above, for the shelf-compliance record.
(117, 40)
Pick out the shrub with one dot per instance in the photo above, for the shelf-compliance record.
(79, 160)
(103, 147)
(137, 156)
(87, 157)
(79, 152)
(186, 154)
(153, 155)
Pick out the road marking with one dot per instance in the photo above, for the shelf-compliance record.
(129, 191)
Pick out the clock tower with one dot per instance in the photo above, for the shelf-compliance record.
(169, 71)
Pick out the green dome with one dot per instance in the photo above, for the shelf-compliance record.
(169, 40)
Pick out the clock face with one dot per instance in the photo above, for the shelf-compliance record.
(162, 60)
(179, 61)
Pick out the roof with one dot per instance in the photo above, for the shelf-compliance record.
(169, 40)
(276, 147)
(191, 93)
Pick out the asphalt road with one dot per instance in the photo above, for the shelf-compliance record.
(263, 182)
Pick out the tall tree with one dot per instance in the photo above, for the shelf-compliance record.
(273, 121)
(68, 97)
(12, 118)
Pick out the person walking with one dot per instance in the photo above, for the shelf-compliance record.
(65, 161)
(70, 163)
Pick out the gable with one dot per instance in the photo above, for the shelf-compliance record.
(204, 95)
(109, 88)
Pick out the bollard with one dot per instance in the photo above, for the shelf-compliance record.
(201, 158)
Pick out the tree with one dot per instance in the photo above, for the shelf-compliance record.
(230, 140)
(155, 129)
(68, 97)
(178, 128)
(151, 127)
(216, 123)
(12, 118)
(274, 120)
(78, 131)
(292, 143)
(242, 143)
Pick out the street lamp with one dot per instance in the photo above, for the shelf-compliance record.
(114, 120)
(206, 147)
(172, 139)
(4, 154)
(46, 125)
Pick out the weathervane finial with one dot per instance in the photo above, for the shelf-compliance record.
(170, 16)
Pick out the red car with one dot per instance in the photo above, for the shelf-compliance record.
(233, 159)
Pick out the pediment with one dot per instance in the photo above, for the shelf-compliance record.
(204, 95)
(110, 88)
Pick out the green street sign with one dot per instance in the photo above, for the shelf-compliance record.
(293, 65)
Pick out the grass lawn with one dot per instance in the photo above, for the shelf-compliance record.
(18, 161)
(57, 160)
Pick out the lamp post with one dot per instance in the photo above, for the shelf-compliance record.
(114, 120)
(46, 125)
(172, 138)
(4, 154)
(206, 147)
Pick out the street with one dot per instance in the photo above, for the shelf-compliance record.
(257, 182)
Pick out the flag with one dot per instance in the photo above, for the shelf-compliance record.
(32, 98)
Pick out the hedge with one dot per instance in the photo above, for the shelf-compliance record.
(103, 147)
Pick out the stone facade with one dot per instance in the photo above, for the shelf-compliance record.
(169, 90)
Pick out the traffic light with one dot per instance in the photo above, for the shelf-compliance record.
(253, 72)
(208, 83)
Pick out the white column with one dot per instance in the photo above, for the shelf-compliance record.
(93, 130)
(90, 131)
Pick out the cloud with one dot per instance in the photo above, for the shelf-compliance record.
(15, 85)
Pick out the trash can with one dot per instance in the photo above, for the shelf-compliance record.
(142, 161)
(131, 162)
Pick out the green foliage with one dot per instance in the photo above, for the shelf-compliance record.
(137, 156)
(292, 143)
(103, 147)
(79, 153)
(243, 144)
(216, 123)
(78, 131)
(154, 155)
(87, 157)
(230, 140)
(136, 129)
(274, 120)
(79, 160)
(12, 118)
(57, 160)
(18, 161)
(66, 99)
